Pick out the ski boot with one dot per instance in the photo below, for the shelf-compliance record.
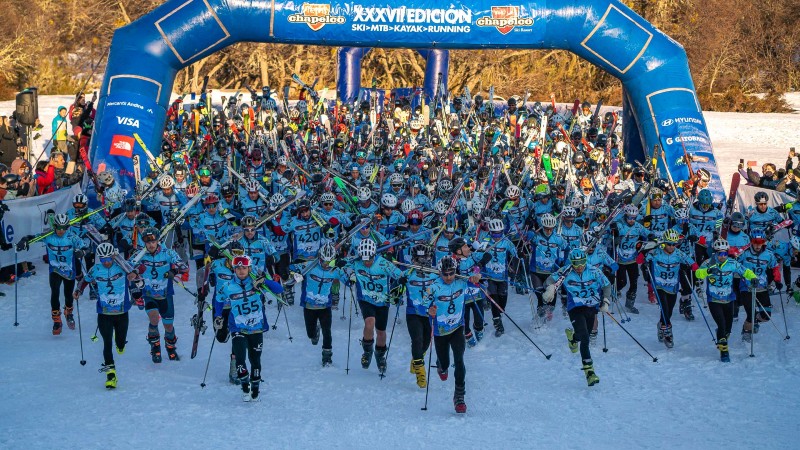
(756, 327)
(668, 336)
(686, 308)
(155, 347)
(380, 359)
(593, 337)
(411, 365)
(327, 357)
(233, 377)
(541, 311)
(722, 345)
(70, 318)
(335, 301)
(573, 344)
(498, 326)
(418, 369)
(651, 294)
(630, 298)
(288, 295)
(660, 329)
(471, 340)
(244, 380)
(315, 339)
(588, 370)
(111, 375)
(255, 389)
(56, 322)
(441, 371)
(366, 357)
(458, 399)
(170, 344)
(479, 335)
(747, 335)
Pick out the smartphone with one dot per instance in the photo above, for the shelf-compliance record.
(741, 161)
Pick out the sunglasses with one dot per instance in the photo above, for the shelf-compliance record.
(211, 205)
(150, 238)
(250, 230)
(61, 227)
(327, 204)
(448, 274)
(106, 260)
(671, 244)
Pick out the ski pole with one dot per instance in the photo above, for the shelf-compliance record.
(547, 356)
(203, 383)
(430, 365)
(80, 332)
(769, 318)
(700, 307)
(753, 315)
(783, 313)
(349, 333)
(605, 347)
(391, 335)
(286, 316)
(16, 286)
(629, 334)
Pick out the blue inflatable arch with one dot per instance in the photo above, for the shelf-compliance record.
(146, 55)
(348, 80)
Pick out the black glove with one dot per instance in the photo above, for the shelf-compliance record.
(23, 243)
(327, 228)
(79, 253)
(779, 285)
(124, 246)
(213, 252)
(402, 280)
(726, 222)
(692, 238)
(169, 275)
(485, 259)
(270, 259)
(107, 229)
(341, 263)
(714, 271)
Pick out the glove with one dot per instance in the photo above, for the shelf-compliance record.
(124, 246)
(403, 280)
(353, 278)
(23, 243)
(213, 252)
(270, 259)
(169, 275)
(276, 278)
(692, 238)
(485, 259)
(298, 277)
(549, 294)
(79, 253)
(714, 271)
(640, 259)
(779, 285)
(6, 246)
(341, 263)
(107, 229)
(218, 322)
(604, 305)
(327, 228)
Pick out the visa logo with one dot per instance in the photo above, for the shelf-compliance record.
(128, 121)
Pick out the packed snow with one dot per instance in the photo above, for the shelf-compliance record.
(516, 398)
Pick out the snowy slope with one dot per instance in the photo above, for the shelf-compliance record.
(516, 398)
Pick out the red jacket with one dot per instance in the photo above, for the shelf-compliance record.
(46, 181)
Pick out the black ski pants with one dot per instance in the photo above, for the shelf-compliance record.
(419, 329)
(722, 313)
(454, 341)
(112, 327)
(250, 346)
(470, 308)
(628, 273)
(667, 302)
(582, 318)
(56, 282)
(499, 292)
(323, 316)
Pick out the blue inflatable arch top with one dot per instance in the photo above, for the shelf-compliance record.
(348, 81)
(146, 55)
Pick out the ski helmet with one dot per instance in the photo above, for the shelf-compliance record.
(440, 207)
(496, 226)
(276, 200)
(450, 223)
(456, 244)
(241, 261)
(367, 249)
(236, 248)
(132, 205)
(631, 211)
(61, 221)
(281, 161)
(367, 170)
(80, 199)
(569, 213)
(407, 206)
(251, 186)
(364, 193)
(656, 193)
(389, 201)
(327, 197)
(105, 250)
(761, 197)
(445, 185)
(602, 209)
(720, 245)
(142, 221)
(415, 217)
(167, 182)
(396, 179)
(576, 203)
(681, 215)
(421, 253)
(211, 199)
(327, 252)
(737, 220)
(106, 178)
(758, 237)
(447, 266)
(670, 236)
(477, 206)
(150, 234)
(249, 221)
(577, 257)
(303, 205)
(548, 221)
(513, 192)
(704, 197)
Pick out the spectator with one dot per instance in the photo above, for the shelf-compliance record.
(8, 141)
(768, 178)
(60, 126)
(26, 183)
(46, 173)
(8, 186)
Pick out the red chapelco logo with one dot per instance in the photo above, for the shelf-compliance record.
(504, 18)
(121, 146)
(316, 16)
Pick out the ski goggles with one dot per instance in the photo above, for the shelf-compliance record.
(415, 221)
(106, 259)
(211, 205)
(150, 238)
(241, 261)
(722, 254)
(204, 172)
(61, 227)
(499, 234)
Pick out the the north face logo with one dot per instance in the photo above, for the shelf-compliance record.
(121, 146)
(504, 18)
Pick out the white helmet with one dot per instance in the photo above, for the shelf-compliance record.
(682, 214)
(548, 220)
(513, 191)
(477, 206)
(440, 207)
(277, 200)
(251, 185)
(327, 197)
(80, 198)
(61, 220)
(166, 182)
(446, 185)
(496, 226)
(569, 211)
(367, 249)
(105, 178)
(281, 161)
(720, 245)
(106, 250)
(364, 193)
(631, 211)
(367, 170)
(327, 252)
(407, 206)
(396, 178)
(576, 203)
(389, 200)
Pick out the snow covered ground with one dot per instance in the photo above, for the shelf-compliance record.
(516, 398)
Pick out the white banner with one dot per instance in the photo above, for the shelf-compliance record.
(29, 216)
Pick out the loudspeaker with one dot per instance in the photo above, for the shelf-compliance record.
(27, 106)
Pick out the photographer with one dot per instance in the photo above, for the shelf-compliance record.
(46, 173)
(26, 187)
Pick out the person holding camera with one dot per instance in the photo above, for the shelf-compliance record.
(46, 173)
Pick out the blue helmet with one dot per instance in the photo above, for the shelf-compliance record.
(704, 197)
(577, 257)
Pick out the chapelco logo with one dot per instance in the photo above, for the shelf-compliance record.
(504, 18)
(316, 16)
